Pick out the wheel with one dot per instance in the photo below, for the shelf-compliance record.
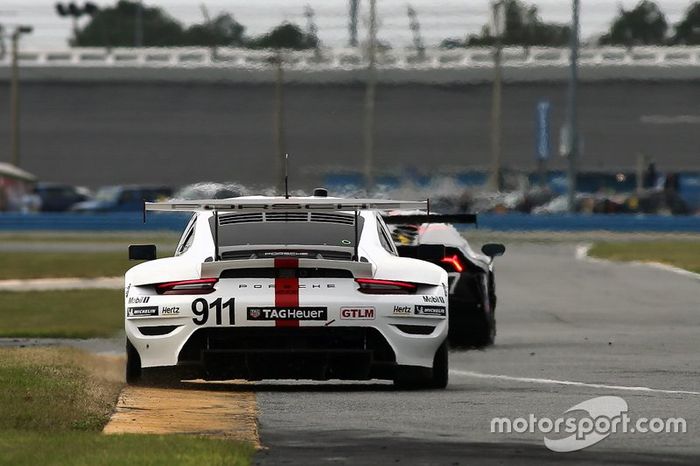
(486, 333)
(441, 367)
(489, 331)
(416, 378)
(485, 326)
(133, 364)
(472, 329)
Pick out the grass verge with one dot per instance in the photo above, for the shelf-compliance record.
(61, 314)
(122, 238)
(63, 264)
(94, 449)
(683, 254)
(55, 402)
(56, 389)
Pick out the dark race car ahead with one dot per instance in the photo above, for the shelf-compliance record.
(472, 284)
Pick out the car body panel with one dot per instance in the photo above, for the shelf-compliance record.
(331, 304)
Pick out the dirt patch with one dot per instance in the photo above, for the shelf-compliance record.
(187, 410)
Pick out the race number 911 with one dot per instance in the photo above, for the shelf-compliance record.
(202, 309)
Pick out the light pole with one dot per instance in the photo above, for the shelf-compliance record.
(572, 110)
(14, 92)
(280, 142)
(75, 12)
(312, 30)
(352, 24)
(414, 25)
(496, 96)
(369, 98)
(138, 25)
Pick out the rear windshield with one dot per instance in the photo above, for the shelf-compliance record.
(286, 233)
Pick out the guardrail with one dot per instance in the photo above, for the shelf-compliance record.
(350, 59)
(496, 222)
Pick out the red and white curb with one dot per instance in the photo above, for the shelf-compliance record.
(582, 255)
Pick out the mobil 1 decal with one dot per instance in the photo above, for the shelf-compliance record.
(434, 299)
(203, 309)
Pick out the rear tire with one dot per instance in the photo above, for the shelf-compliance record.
(416, 378)
(441, 368)
(133, 364)
(477, 330)
(474, 324)
(487, 332)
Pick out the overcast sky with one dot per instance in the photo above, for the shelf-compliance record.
(439, 19)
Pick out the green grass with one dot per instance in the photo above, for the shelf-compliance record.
(55, 389)
(683, 254)
(61, 314)
(54, 403)
(91, 237)
(92, 449)
(63, 264)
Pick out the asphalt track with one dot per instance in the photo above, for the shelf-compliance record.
(608, 326)
(115, 133)
(568, 331)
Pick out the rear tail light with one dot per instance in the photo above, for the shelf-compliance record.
(455, 262)
(374, 286)
(199, 286)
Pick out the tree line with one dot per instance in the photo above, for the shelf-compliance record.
(645, 24)
(115, 26)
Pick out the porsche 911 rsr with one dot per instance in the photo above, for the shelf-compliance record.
(472, 283)
(300, 288)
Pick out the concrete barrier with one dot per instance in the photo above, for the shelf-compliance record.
(496, 222)
(339, 66)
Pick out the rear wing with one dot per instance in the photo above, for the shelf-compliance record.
(282, 204)
(418, 219)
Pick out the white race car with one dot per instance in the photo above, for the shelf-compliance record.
(287, 288)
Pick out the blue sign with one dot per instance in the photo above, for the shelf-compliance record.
(543, 147)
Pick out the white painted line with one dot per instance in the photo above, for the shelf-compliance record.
(669, 268)
(670, 119)
(582, 255)
(582, 251)
(509, 378)
(45, 284)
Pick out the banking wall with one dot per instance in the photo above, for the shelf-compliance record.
(102, 132)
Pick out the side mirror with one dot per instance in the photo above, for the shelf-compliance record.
(493, 249)
(142, 252)
(430, 252)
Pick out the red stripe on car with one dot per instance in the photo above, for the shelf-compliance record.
(286, 289)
